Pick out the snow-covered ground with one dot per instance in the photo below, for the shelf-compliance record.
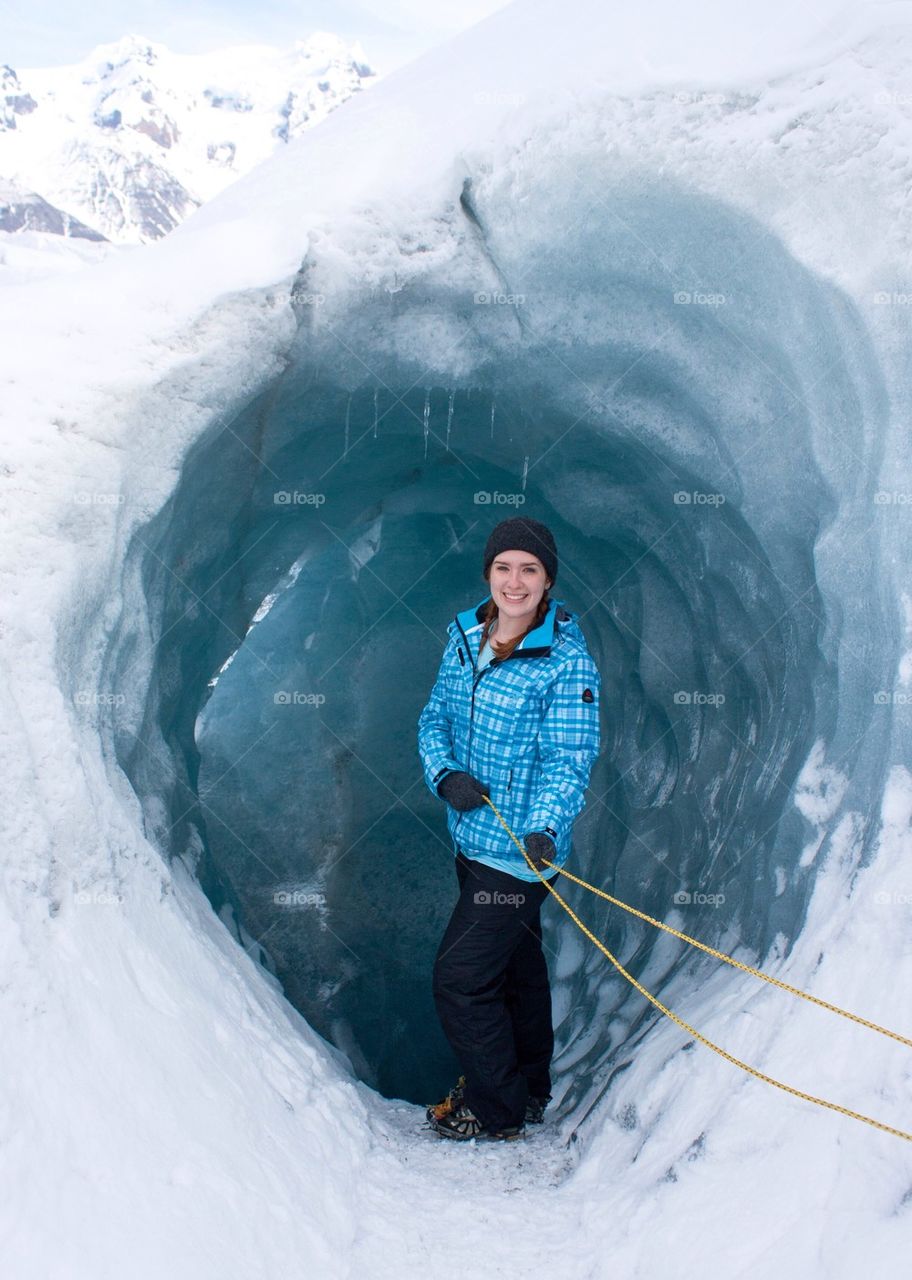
(27, 256)
(164, 1109)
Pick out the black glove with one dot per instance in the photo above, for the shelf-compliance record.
(462, 791)
(539, 846)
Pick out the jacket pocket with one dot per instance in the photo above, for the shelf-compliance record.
(523, 780)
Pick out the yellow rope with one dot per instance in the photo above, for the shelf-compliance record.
(737, 964)
(796, 1093)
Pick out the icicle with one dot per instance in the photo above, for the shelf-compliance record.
(376, 390)
(449, 418)
(492, 419)
(427, 417)
(525, 472)
(348, 409)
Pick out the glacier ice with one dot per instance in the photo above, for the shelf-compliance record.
(700, 425)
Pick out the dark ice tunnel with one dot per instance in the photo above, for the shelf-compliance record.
(689, 455)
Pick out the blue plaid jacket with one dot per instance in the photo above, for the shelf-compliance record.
(527, 725)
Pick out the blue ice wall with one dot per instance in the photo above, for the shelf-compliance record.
(699, 420)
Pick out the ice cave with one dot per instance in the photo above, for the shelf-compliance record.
(319, 541)
(640, 293)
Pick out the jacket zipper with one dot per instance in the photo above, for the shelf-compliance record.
(475, 683)
(528, 653)
(472, 722)
(472, 707)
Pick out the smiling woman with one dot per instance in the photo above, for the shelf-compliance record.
(490, 975)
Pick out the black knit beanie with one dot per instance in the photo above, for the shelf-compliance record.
(522, 533)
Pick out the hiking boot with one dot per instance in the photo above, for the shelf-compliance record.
(459, 1122)
(438, 1110)
(535, 1109)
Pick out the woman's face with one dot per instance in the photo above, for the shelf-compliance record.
(518, 581)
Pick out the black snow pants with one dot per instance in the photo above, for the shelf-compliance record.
(492, 993)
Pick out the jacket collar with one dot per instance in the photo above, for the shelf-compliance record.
(536, 644)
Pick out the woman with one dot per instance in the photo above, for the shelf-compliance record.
(514, 714)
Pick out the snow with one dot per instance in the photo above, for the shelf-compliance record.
(165, 1110)
(26, 256)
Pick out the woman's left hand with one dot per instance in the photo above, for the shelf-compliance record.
(539, 846)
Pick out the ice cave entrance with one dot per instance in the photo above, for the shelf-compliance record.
(301, 579)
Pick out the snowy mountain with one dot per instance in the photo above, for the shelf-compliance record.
(645, 269)
(13, 102)
(134, 138)
(25, 210)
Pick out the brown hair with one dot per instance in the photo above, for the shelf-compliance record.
(506, 647)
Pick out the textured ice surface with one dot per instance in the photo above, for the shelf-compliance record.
(709, 470)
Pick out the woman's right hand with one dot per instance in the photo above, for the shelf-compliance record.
(462, 791)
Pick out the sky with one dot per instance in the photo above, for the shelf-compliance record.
(41, 33)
